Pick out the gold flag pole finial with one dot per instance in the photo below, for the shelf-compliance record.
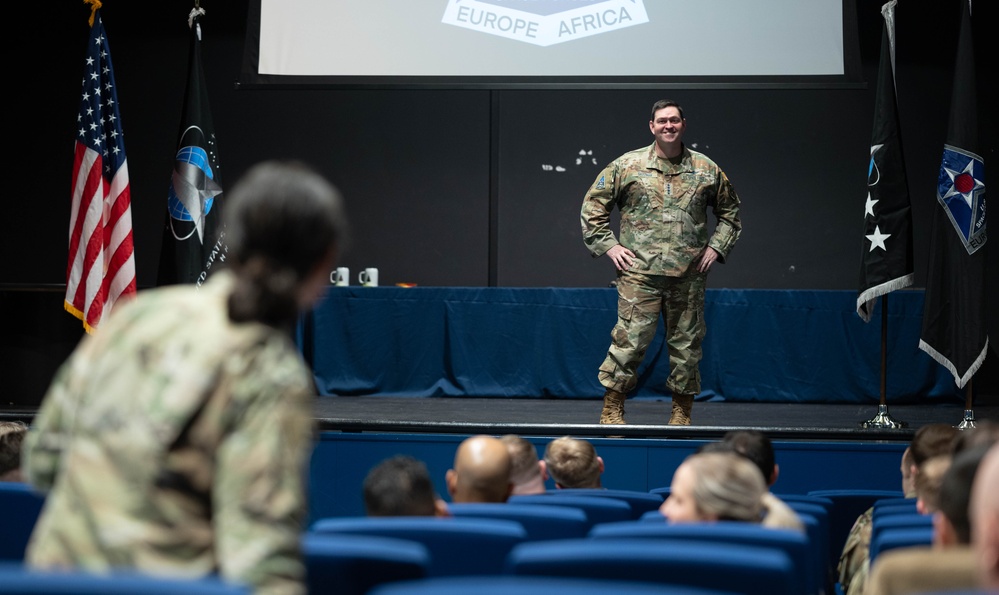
(95, 5)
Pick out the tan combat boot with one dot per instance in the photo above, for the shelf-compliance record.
(682, 404)
(613, 412)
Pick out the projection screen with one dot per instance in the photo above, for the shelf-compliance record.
(548, 43)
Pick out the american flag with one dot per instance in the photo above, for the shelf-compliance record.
(101, 267)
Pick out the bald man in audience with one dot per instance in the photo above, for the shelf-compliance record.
(985, 519)
(529, 473)
(481, 471)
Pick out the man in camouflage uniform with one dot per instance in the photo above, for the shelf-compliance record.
(663, 192)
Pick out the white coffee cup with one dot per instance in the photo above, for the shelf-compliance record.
(368, 277)
(340, 277)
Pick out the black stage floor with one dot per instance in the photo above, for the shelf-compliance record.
(646, 418)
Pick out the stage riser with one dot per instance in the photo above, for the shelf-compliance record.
(341, 461)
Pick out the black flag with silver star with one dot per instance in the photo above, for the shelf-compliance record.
(887, 256)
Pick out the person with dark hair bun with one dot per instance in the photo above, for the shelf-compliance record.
(175, 440)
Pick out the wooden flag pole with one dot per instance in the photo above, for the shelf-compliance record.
(883, 419)
(969, 414)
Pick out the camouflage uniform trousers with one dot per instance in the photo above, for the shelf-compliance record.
(641, 300)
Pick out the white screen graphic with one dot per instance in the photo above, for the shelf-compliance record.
(551, 38)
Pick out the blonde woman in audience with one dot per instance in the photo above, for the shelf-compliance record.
(716, 486)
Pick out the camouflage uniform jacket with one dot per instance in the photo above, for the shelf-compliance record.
(663, 210)
(855, 551)
(174, 442)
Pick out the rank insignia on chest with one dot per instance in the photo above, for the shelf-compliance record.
(669, 188)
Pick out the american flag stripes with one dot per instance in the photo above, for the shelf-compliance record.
(101, 264)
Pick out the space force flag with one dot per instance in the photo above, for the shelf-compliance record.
(101, 264)
(193, 237)
(953, 330)
(886, 264)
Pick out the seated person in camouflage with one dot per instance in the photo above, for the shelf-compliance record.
(401, 486)
(528, 474)
(175, 440)
(573, 463)
(950, 563)
(929, 441)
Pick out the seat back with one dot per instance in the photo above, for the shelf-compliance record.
(816, 519)
(640, 502)
(16, 579)
(21, 506)
(848, 504)
(536, 585)
(891, 522)
(744, 569)
(905, 508)
(354, 564)
(458, 546)
(797, 547)
(889, 539)
(597, 509)
(540, 522)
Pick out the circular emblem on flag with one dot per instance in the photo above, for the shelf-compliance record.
(196, 172)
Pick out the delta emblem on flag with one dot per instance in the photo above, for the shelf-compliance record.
(101, 267)
(954, 329)
(961, 192)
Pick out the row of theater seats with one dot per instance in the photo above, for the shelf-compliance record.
(579, 533)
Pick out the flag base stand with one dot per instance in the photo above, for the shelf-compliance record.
(969, 420)
(882, 420)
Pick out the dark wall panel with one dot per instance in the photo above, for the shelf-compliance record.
(413, 167)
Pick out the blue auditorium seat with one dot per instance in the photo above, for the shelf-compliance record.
(536, 585)
(889, 502)
(891, 522)
(640, 502)
(848, 504)
(751, 570)
(354, 564)
(541, 522)
(20, 506)
(816, 519)
(458, 546)
(797, 546)
(597, 509)
(903, 506)
(663, 491)
(792, 499)
(889, 539)
(15, 579)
